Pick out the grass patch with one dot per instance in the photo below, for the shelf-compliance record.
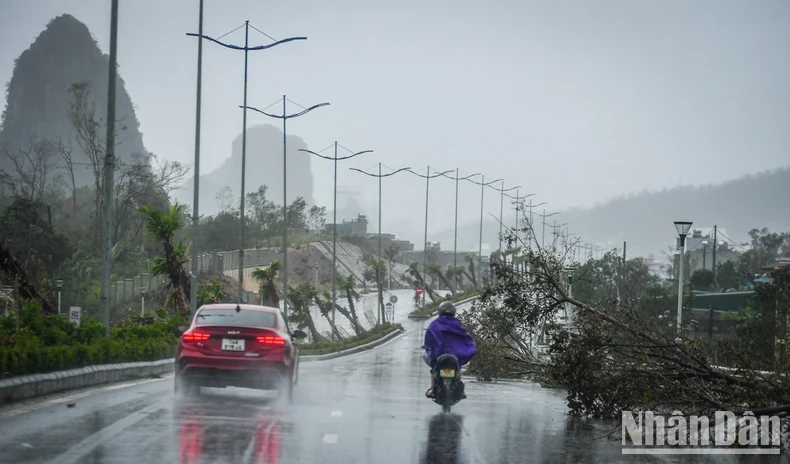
(430, 308)
(327, 347)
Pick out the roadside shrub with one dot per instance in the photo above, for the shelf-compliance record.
(371, 335)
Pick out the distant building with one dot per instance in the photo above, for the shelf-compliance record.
(699, 249)
(388, 240)
(358, 227)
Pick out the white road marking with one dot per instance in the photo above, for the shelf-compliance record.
(330, 438)
(15, 411)
(337, 414)
(26, 445)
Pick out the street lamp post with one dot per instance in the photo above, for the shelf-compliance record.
(683, 230)
(285, 117)
(246, 49)
(59, 284)
(335, 159)
(455, 233)
(196, 180)
(142, 304)
(518, 200)
(382, 317)
(704, 254)
(543, 234)
(427, 178)
(483, 184)
(502, 191)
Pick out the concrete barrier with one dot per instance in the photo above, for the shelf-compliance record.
(30, 386)
(356, 349)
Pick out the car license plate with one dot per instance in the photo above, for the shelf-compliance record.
(447, 373)
(230, 344)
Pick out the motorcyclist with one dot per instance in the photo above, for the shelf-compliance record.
(446, 335)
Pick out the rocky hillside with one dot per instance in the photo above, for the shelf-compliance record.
(264, 167)
(37, 102)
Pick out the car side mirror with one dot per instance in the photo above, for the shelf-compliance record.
(182, 328)
(299, 335)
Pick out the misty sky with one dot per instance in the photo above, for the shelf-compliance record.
(578, 101)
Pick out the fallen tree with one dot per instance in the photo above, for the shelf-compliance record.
(615, 356)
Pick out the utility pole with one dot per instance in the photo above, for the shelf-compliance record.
(109, 169)
(196, 194)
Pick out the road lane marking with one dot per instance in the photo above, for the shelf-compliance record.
(15, 411)
(79, 451)
(337, 414)
(330, 438)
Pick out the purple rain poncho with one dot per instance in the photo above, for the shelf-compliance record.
(447, 335)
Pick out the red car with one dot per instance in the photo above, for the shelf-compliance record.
(237, 345)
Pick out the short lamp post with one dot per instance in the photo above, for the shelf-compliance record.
(142, 306)
(683, 230)
(570, 270)
(59, 284)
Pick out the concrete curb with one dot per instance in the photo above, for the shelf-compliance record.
(30, 386)
(457, 303)
(356, 349)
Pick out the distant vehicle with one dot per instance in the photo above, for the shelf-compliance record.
(244, 346)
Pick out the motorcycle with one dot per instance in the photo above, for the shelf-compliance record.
(448, 388)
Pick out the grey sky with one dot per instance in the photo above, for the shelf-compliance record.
(578, 101)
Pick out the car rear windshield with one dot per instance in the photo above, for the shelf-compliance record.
(244, 317)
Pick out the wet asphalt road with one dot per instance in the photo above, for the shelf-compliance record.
(365, 408)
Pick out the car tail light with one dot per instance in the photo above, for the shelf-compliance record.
(271, 340)
(195, 337)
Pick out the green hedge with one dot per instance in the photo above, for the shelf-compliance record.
(327, 347)
(52, 343)
(431, 307)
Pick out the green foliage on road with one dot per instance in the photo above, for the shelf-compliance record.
(326, 346)
(51, 343)
(430, 308)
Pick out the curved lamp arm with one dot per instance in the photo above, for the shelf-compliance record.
(286, 116)
(376, 175)
(239, 47)
(332, 158)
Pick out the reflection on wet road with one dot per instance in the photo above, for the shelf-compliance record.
(365, 408)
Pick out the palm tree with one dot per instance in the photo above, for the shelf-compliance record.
(267, 278)
(435, 269)
(470, 261)
(414, 272)
(163, 225)
(348, 286)
(299, 300)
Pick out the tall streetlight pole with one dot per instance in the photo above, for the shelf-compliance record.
(109, 170)
(246, 49)
(683, 229)
(543, 234)
(455, 233)
(427, 178)
(483, 184)
(502, 191)
(196, 187)
(285, 117)
(518, 200)
(532, 221)
(334, 218)
(381, 316)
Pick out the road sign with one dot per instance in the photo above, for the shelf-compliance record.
(75, 314)
(419, 290)
(394, 299)
(389, 305)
